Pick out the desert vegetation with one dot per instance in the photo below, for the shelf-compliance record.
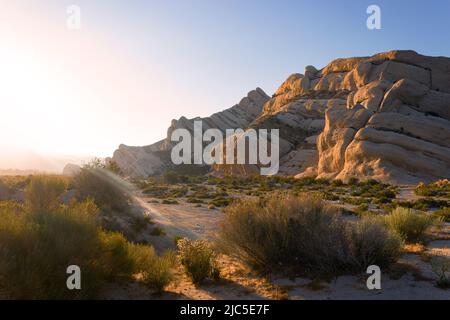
(304, 234)
(41, 237)
(199, 259)
(310, 226)
(411, 225)
(307, 227)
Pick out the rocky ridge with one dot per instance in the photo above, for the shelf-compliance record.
(385, 117)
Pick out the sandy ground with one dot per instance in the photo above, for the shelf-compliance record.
(184, 219)
(412, 278)
(406, 193)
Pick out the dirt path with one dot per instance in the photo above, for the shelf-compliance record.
(182, 219)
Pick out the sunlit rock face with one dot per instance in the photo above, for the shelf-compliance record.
(385, 117)
(395, 125)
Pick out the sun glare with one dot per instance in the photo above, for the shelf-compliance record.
(37, 101)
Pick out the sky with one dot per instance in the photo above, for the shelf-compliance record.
(136, 65)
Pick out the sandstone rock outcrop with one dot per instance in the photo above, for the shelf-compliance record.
(395, 126)
(385, 117)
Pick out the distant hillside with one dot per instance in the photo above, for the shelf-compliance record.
(24, 162)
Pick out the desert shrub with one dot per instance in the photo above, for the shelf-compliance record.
(387, 194)
(302, 233)
(356, 200)
(441, 267)
(198, 259)
(271, 233)
(37, 249)
(305, 181)
(125, 259)
(330, 196)
(117, 258)
(409, 224)
(169, 201)
(98, 185)
(221, 201)
(423, 204)
(193, 200)
(178, 192)
(373, 243)
(437, 188)
(337, 183)
(43, 193)
(200, 195)
(353, 181)
(155, 272)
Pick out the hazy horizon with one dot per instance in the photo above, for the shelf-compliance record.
(136, 65)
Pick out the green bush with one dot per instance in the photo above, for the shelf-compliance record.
(198, 259)
(303, 233)
(409, 224)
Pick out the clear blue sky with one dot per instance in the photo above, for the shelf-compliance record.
(140, 64)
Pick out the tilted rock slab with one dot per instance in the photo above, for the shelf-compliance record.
(396, 124)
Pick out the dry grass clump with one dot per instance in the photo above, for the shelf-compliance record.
(305, 234)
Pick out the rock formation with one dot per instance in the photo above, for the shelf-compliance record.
(396, 124)
(154, 159)
(385, 117)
